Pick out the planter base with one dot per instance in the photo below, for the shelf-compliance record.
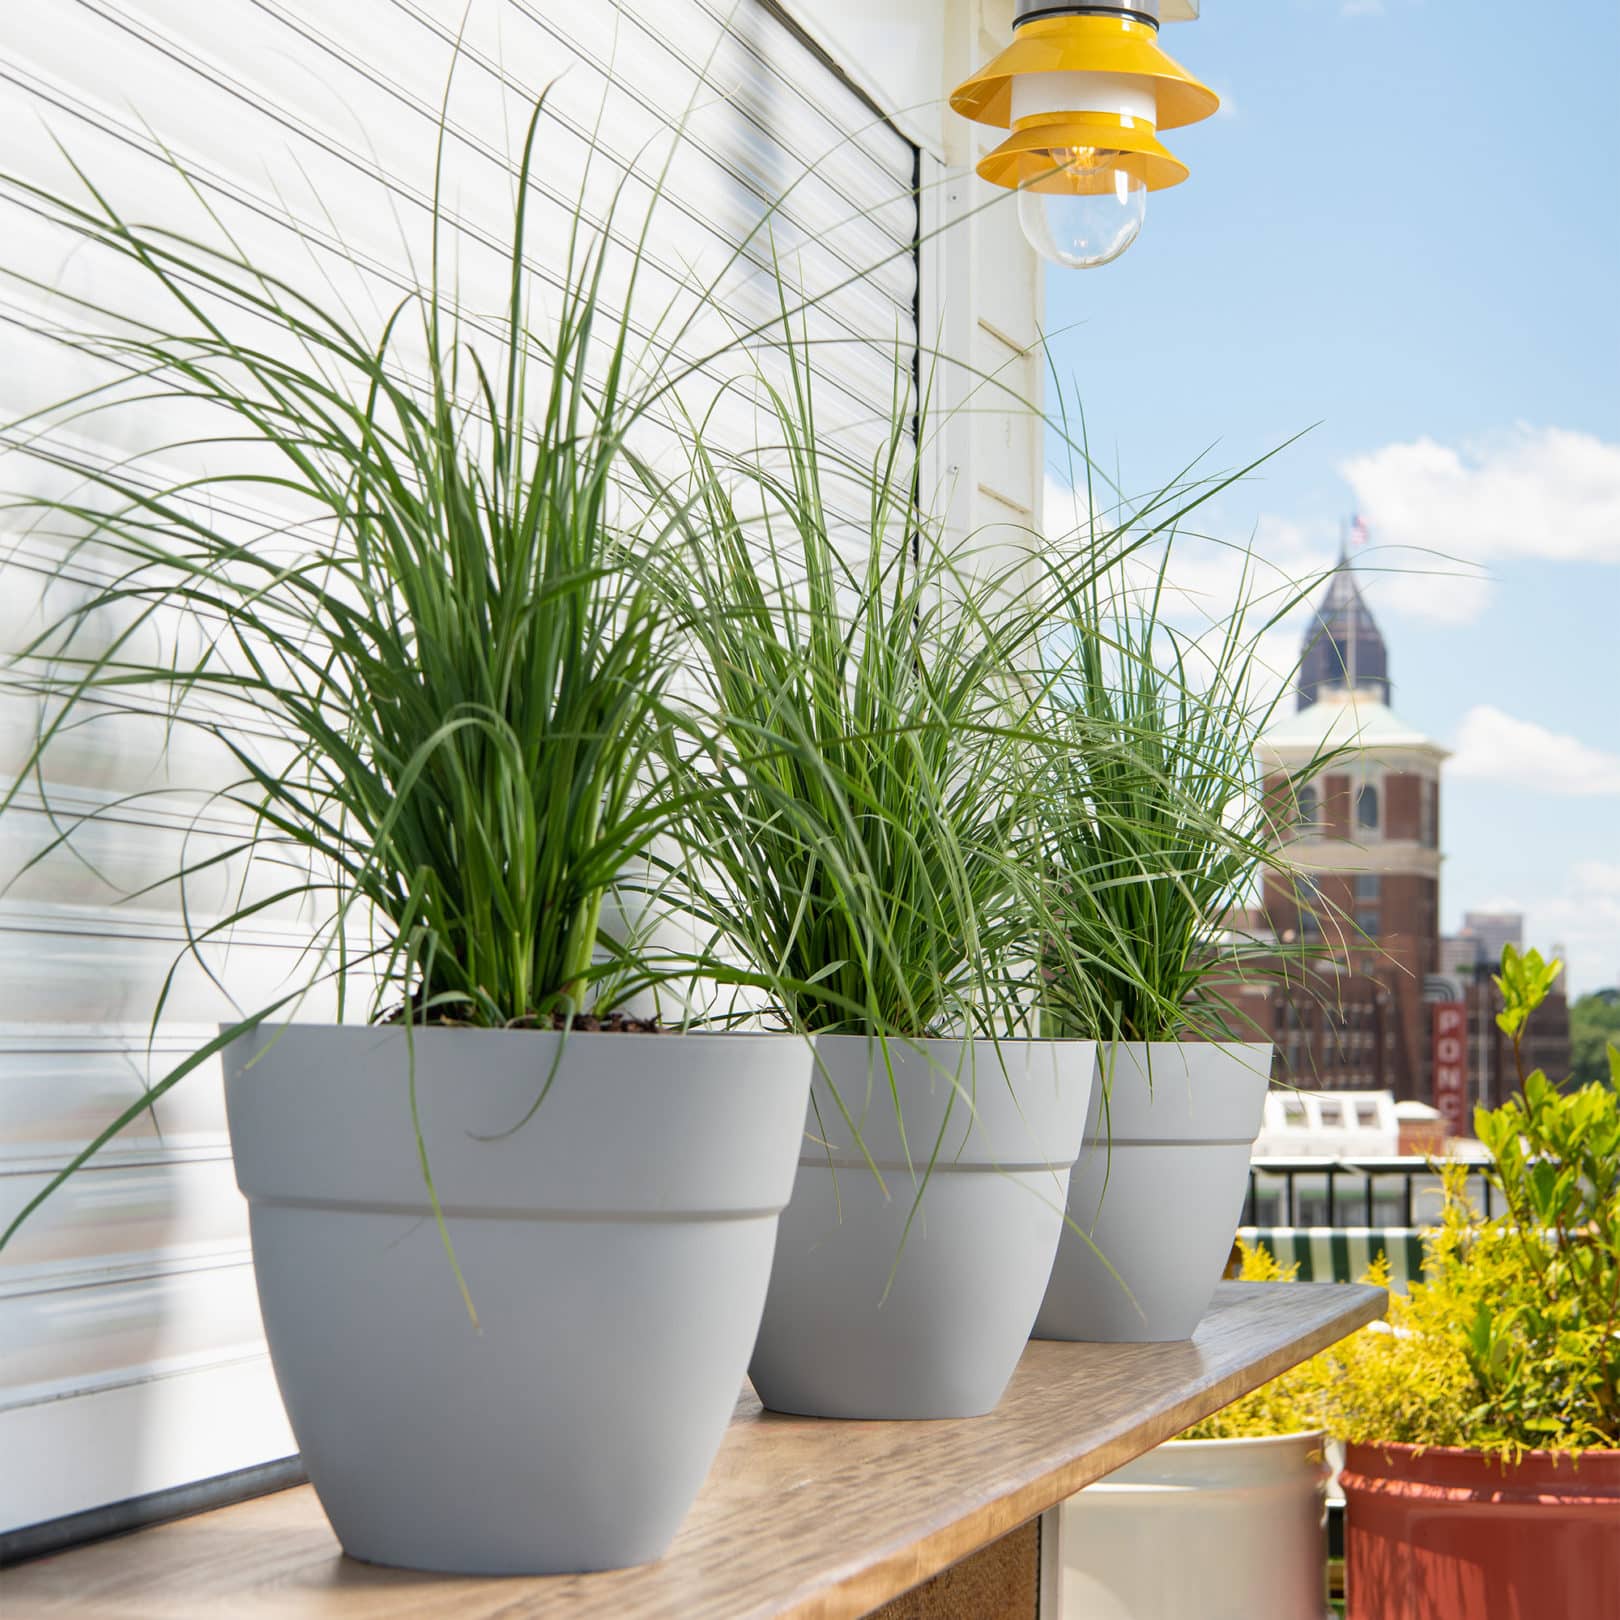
(546, 1441)
(1158, 1188)
(945, 1339)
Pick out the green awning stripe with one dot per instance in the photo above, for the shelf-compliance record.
(1342, 1253)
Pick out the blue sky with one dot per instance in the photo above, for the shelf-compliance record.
(1405, 227)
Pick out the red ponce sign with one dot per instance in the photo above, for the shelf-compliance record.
(1450, 1065)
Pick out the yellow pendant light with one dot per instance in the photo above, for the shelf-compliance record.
(1084, 90)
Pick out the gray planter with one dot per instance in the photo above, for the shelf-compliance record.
(617, 1250)
(1159, 1189)
(857, 1327)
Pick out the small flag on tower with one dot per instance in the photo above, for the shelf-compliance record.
(1358, 531)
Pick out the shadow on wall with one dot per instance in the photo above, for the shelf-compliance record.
(129, 1325)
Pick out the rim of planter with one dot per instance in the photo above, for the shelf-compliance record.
(912, 1041)
(1467, 1468)
(1257, 1441)
(1232, 1048)
(978, 1080)
(268, 1031)
(1146, 1057)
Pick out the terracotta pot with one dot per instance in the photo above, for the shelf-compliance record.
(1449, 1534)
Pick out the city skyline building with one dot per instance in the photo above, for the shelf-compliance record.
(1364, 836)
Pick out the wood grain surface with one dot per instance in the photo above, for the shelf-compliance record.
(800, 1518)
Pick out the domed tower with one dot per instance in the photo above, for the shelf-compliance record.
(1344, 651)
(1365, 834)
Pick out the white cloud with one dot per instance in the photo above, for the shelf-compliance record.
(1063, 509)
(1280, 571)
(1545, 493)
(1578, 921)
(1441, 515)
(1583, 921)
(1427, 588)
(1283, 561)
(1207, 574)
(1495, 747)
(1598, 877)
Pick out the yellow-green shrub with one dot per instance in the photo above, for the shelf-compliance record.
(1512, 1342)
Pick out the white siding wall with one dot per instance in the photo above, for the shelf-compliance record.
(981, 295)
(132, 1351)
(131, 1355)
(987, 309)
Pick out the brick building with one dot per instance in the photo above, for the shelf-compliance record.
(1364, 833)
(1467, 961)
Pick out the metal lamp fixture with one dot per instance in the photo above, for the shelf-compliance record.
(1084, 91)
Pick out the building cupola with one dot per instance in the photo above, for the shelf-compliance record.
(1343, 650)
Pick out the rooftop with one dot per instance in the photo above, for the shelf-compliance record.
(1339, 718)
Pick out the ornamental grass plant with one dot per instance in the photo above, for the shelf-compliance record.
(863, 842)
(1155, 823)
(392, 577)
(870, 835)
(952, 745)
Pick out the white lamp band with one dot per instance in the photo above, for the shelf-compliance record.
(1036, 93)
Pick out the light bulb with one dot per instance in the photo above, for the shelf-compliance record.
(1085, 210)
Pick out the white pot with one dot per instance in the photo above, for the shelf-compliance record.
(1158, 1189)
(1217, 1529)
(617, 1249)
(866, 1319)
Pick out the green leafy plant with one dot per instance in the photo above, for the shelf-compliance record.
(892, 711)
(1406, 1379)
(1513, 1340)
(1594, 1026)
(1547, 1355)
(1524, 982)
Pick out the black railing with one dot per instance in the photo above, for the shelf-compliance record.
(1321, 1176)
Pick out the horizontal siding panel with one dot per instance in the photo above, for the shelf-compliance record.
(67, 1340)
(383, 218)
(60, 1084)
(129, 1326)
(122, 1213)
(363, 122)
(113, 1444)
(125, 848)
(131, 750)
(172, 438)
(58, 966)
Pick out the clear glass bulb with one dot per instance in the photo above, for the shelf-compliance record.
(1084, 212)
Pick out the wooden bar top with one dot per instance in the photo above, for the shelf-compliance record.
(802, 1518)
